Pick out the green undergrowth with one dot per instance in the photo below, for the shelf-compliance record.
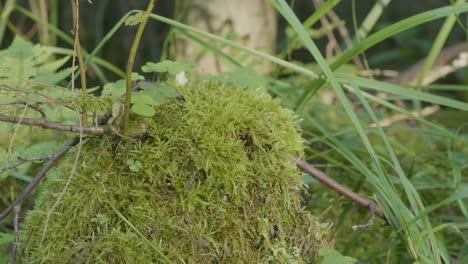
(212, 181)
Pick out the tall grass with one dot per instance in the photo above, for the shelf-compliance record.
(374, 158)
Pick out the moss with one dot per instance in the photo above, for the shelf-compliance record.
(216, 185)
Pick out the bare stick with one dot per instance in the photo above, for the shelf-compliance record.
(371, 219)
(16, 243)
(23, 160)
(328, 181)
(53, 159)
(76, 32)
(40, 122)
(70, 177)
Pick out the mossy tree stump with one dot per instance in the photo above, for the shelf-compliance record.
(212, 181)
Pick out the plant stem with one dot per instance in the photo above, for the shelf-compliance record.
(131, 61)
(76, 31)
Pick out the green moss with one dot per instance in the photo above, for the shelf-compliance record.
(216, 185)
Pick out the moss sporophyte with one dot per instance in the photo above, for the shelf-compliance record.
(212, 181)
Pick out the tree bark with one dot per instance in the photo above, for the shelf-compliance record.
(251, 23)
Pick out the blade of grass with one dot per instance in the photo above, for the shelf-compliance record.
(401, 90)
(444, 132)
(371, 18)
(418, 249)
(379, 36)
(107, 65)
(236, 45)
(156, 249)
(6, 11)
(415, 200)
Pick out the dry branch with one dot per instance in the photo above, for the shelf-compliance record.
(328, 181)
(41, 122)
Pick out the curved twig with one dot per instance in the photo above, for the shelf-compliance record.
(23, 160)
(327, 180)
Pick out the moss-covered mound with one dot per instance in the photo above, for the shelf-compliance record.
(211, 182)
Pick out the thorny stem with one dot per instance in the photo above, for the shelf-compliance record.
(131, 61)
(76, 32)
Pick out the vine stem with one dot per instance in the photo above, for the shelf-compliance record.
(131, 61)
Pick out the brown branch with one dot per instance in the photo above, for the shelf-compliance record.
(39, 176)
(23, 160)
(327, 180)
(53, 159)
(41, 122)
(371, 219)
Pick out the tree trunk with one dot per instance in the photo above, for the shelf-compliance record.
(250, 23)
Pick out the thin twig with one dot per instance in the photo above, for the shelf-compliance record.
(24, 90)
(39, 176)
(16, 242)
(327, 180)
(76, 32)
(41, 122)
(23, 160)
(70, 177)
(10, 145)
(53, 159)
(371, 219)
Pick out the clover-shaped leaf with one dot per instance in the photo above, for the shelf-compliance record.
(114, 89)
(151, 95)
(100, 219)
(143, 110)
(134, 165)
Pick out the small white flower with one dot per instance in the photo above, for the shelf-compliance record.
(181, 79)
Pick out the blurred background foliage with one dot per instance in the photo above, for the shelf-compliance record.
(435, 164)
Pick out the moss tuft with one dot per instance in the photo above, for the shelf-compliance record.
(211, 182)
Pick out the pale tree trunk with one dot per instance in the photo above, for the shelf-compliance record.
(249, 22)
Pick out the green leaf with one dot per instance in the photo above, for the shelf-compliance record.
(137, 77)
(135, 19)
(172, 67)
(140, 98)
(159, 90)
(331, 256)
(20, 49)
(114, 89)
(133, 165)
(143, 110)
(100, 219)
